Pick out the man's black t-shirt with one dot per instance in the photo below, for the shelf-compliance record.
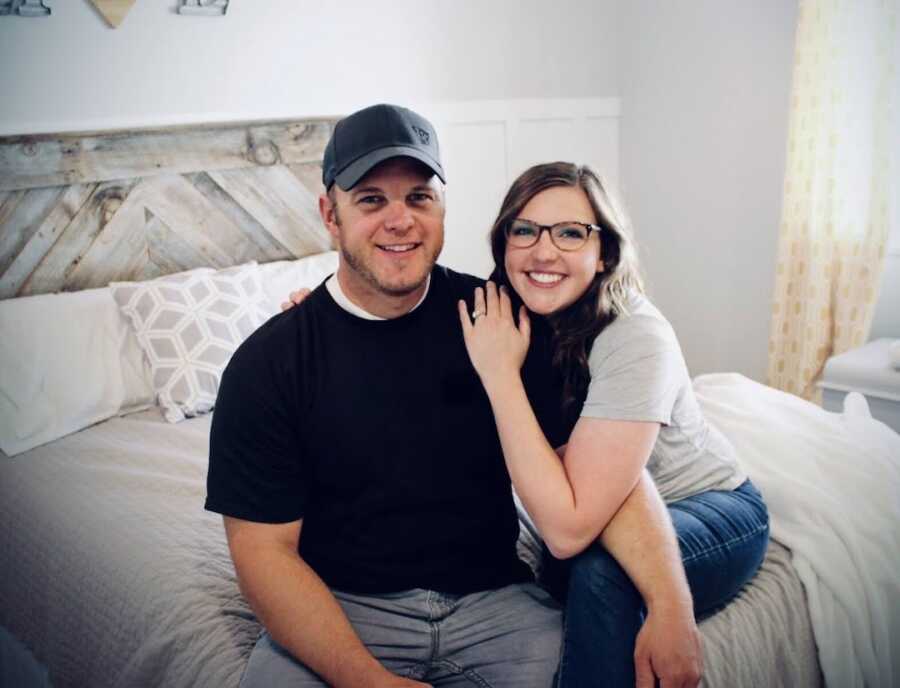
(379, 435)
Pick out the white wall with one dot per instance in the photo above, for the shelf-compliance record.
(705, 89)
(703, 86)
(508, 83)
(284, 58)
(488, 143)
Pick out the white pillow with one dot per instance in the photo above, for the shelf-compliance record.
(66, 361)
(189, 324)
(70, 360)
(283, 277)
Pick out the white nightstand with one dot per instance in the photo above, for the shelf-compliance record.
(866, 370)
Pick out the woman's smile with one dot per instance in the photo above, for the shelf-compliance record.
(546, 280)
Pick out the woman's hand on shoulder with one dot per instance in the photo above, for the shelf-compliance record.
(496, 346)
(295, 298)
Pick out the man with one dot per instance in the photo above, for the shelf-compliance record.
(357, 421)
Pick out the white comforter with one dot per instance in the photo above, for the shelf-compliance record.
(832, 484)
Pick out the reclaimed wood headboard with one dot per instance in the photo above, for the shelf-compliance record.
(82, 210)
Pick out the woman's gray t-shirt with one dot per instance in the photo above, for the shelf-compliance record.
(638, 373)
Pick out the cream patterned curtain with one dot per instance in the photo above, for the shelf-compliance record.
(839, 185)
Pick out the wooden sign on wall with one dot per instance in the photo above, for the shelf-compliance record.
(113, 11)
(214, 8)
(24, 8)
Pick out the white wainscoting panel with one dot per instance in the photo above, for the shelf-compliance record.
(474, 157)
(486, 144)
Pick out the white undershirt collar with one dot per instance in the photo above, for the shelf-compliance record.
(341, 299)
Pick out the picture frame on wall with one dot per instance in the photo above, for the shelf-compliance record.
(209, 8)
(24, 8)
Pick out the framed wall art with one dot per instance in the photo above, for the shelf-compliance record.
(24, 8)
(210, 8)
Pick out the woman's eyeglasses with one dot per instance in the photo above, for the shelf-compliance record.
(566, 236)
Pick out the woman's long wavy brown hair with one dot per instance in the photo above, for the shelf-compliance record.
(576, 327)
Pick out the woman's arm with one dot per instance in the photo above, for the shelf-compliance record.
(599, 488)
(573, 500)
(641, 539)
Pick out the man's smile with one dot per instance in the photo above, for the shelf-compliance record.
(399, 248)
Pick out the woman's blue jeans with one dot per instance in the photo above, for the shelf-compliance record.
(723, 538)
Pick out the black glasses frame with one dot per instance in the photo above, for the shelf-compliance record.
(549, 229)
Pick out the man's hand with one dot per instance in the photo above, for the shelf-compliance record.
(669, 647)
(295, 298)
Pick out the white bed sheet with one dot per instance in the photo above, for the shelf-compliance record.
(832, 484)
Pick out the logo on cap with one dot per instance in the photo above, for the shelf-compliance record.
(423, 135)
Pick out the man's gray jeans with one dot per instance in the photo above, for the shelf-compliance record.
(505, 638)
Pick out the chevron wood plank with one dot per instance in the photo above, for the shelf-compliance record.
(109, 255)
(281, 204)
(192, 217)
(65, 208)
(76, 239)
(266, 247)
(24, 218)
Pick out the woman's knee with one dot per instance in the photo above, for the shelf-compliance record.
(723, 539)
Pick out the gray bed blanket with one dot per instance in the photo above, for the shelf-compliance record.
(114, 575)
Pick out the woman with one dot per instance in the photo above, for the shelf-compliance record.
(562, 250)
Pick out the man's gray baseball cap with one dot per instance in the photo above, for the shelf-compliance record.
(370, 136)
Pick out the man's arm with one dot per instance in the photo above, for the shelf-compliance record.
(641, 538)
(298, 609)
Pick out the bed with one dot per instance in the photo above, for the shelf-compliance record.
(112, 572)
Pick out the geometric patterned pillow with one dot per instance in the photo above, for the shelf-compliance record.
(189, 324)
